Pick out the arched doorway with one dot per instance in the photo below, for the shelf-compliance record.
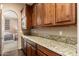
(10, 31)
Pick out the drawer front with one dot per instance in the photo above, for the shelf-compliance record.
(47, 51)
(30, 42)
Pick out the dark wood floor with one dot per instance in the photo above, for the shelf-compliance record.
(14, 53)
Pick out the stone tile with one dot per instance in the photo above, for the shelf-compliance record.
(14, 53)
(72, 41)
(69, 40)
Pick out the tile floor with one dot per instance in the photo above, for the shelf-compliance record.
(14, 53)
(9, 46)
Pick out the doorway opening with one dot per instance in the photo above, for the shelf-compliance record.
(10, 41)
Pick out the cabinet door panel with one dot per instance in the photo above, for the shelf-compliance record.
(23, 45)
(39, 14)
(47, 19)
(28, 49)
(49, 14)
(34, 15)
(33, 51)
(39, 53)
(65, 13)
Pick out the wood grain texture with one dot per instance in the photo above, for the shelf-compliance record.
(51, 14)
(34, 16)
(47, 51)
(65, 14)
(34, 49)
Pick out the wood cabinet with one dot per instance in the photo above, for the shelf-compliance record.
(54, 14)
(65, 14)
(44, 51)
(39, 53)
(34, 49)
(49, 14)
(31, 51)
(26, 14)
(34, 16)
(39, 14)
(28, 47)
(37, 17)
(23, 45)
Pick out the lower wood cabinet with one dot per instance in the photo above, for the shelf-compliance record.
(31, 51)
(23, 45)
(39, 53)
(44, 51)
(34, 49)
(28, 48)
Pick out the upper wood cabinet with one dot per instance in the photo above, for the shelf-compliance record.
(49, 14)
(39, 14)
(34, 16)
(26, 13)
(65, 14)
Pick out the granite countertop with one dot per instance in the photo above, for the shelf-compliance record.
(58, 47)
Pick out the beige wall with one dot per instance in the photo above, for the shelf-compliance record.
(13, 25)
(17, 8)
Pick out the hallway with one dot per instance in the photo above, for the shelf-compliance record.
(9, 46)
(14, 53)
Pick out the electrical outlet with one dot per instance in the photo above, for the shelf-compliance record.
(60, 33)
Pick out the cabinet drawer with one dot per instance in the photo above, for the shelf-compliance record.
(31, 42)
(47, 51)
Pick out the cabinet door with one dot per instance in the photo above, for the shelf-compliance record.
(39, 53)
(23, 45)
(49, 14)
(39, 14)
(28, 49)
(33, 51)
(34, 15)
(65, 13)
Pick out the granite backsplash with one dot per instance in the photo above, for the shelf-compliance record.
(66, 39)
